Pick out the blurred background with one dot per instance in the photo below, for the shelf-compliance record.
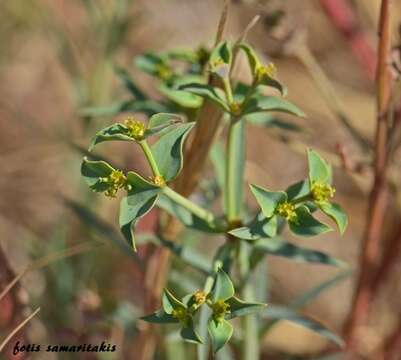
(58, 57)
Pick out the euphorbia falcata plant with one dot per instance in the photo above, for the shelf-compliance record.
(249, 237)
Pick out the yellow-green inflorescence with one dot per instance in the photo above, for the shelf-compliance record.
(287, 211)
(115, 181)
(322, 192)
(235, 108)
(158, 180)
(199, 297)
(263, 70)
(163, 72)
(220, 309)
(180, 314)
(136, 128)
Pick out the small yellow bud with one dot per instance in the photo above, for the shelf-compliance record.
(199, 297)
(136, 129)
(220, 308)
(287, 211)
(216, 63)
(269, 70)
(116, 180)
(180, 314)
(322, 192)
(159, 181)
(235, 108)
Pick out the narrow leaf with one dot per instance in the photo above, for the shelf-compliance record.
(160, 317)
(261, 103)
(268, 200)
(211, 93)
(260, 227)
(241, 308)
(110, 133)
(337, 214)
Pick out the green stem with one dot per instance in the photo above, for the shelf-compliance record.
(149, 156)
(234, 176)
(190, 206)
(250, 348)
(228, 91)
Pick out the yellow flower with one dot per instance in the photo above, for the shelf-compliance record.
(216, 63)
(159, 181)
(136, 129)
(263, 70)
(235, 108)
(163, 72)
(180, 314)
(220, 308)
(199, 297)
(322, 192)
(287, 211)
(115, 181)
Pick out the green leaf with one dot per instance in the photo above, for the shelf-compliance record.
(127, 81)
(151, 63)
(181, 97)
(161, 123)
(298, 190)
(160, 317)
(167, 151)
(311, 294)
(223, 287)
(261, 103)
(277, 313)
(319, 170)
(252, 57)
(220, 59)
(148, 107)
(279, 247)
(241, 308)
(111, 133)
(209, 92)
(170, 302)
(94, 171)
(260, 227)
(188, 333)
(337, 214)
(268, 200)
(220, 333)
(140, 200)
(306, 224)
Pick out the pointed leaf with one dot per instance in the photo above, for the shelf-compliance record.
(319, 170)
(162, 123)
(260, 227)
(206, 91)
(94, 171)
(252, 57)
(306, 224)
(189, 333)
(167, 151)
(140, 200)
(276, 313)
(220, 59)
(241, 308)
(160, 317)
(151, 63)
(298, 190)
(181, 97)
(337, 214)
(282, 248)
(110, 133)
(220, 333)
(223, 287)
(268, 200)
(170, 302)
(261, 103)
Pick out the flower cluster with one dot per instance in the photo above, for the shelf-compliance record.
(115, 181)
(265, 70)
(136, 128)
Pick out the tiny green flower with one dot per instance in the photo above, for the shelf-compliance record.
(265, 70)
(220, 309)
(287, 211)
(180, 314)
(199, 297)
(136, 129)
(115, 181)
(158, 180)
(235, 108)
(322, 192)
(163, 72)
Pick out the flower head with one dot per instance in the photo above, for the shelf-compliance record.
(136, 129)
(220, 308)
(287, 211)
(199, 297)
(180, 314)
(235, 108)
(263, 70)
(115, 181)
(322, 192)
(158, 180)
